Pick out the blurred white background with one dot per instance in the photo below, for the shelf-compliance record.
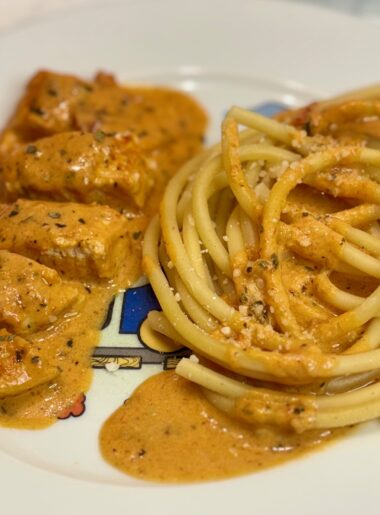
(19, 11)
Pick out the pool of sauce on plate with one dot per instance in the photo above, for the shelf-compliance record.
(167, 431)
(68, 346)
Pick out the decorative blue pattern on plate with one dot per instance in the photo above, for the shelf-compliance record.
(137, 303)
(269, 108)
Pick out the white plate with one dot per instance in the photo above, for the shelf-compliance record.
(242, 52)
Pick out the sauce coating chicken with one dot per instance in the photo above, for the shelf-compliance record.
(165, 128)
(56, 103)
(19, 369)
(79, 167)
(79, 241)
(82, 168)
(33, 295)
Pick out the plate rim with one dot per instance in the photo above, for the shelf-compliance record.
(117, 495)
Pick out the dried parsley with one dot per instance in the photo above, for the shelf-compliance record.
(31, 149)
(52, 92)
(37, 110)
(54, 214)
(263, 264)
(275, 261)
(99, 136)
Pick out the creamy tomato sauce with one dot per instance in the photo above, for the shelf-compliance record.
(65, 143)
(78, 143)
(167, 431)
(69, 347)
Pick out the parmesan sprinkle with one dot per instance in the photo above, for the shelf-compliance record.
(243, 310)
(226, 330)
(305, 241)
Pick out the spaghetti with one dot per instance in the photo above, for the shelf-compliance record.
(265, 261)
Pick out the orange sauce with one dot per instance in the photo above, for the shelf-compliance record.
(68, 346)
(167, 431)
(168, 127)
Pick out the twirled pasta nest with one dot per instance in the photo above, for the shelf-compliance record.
(265, 261)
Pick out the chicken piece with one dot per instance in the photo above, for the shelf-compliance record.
(157, 116)
(33, 296)
(56, 103)
(46, 108)
(73, 166)
(79, 241)
(20, 370)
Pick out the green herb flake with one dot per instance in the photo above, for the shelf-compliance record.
(7, 338)
(52, 92)
(275, 261)
(243, 299)
(54, 214)
(37, 110)
(99, 136)
(31, 149)
(136, 235)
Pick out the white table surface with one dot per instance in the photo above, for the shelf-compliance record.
(21, 11)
